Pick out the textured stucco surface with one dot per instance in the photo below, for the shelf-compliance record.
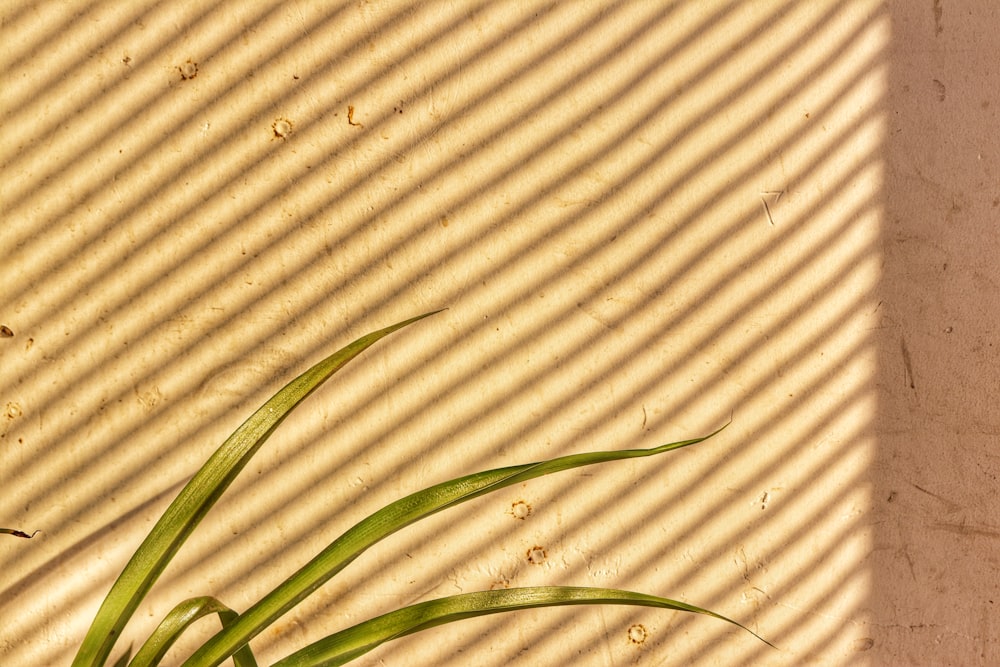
(644, 218)
(936, 560)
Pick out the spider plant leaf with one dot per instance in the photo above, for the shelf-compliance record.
(346, 645)
(200, 494)
(177, 621)
(383, 523)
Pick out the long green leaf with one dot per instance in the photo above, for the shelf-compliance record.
(200, 494)
(346, 645)
(383, 523)
(177, 621)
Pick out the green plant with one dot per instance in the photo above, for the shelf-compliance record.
(200, 494)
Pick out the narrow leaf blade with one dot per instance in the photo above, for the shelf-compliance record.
(200, 494)
(391, 518)
(346, 645)
(177, 621)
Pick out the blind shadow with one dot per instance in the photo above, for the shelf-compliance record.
(645, 219)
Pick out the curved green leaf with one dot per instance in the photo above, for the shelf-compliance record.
(177, 621)
(200, 494)
(346, 645)
(383, 523)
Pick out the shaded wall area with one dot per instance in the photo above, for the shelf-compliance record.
(936, 563)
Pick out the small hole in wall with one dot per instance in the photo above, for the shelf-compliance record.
(637, 634)
(536, 555)
(520, 510)
(501, 583)
(282, 128)
(189, 70)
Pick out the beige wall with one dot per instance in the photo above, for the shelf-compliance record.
(643, 217)
(937, 582)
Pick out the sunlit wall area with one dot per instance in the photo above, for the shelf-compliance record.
(646, 220)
